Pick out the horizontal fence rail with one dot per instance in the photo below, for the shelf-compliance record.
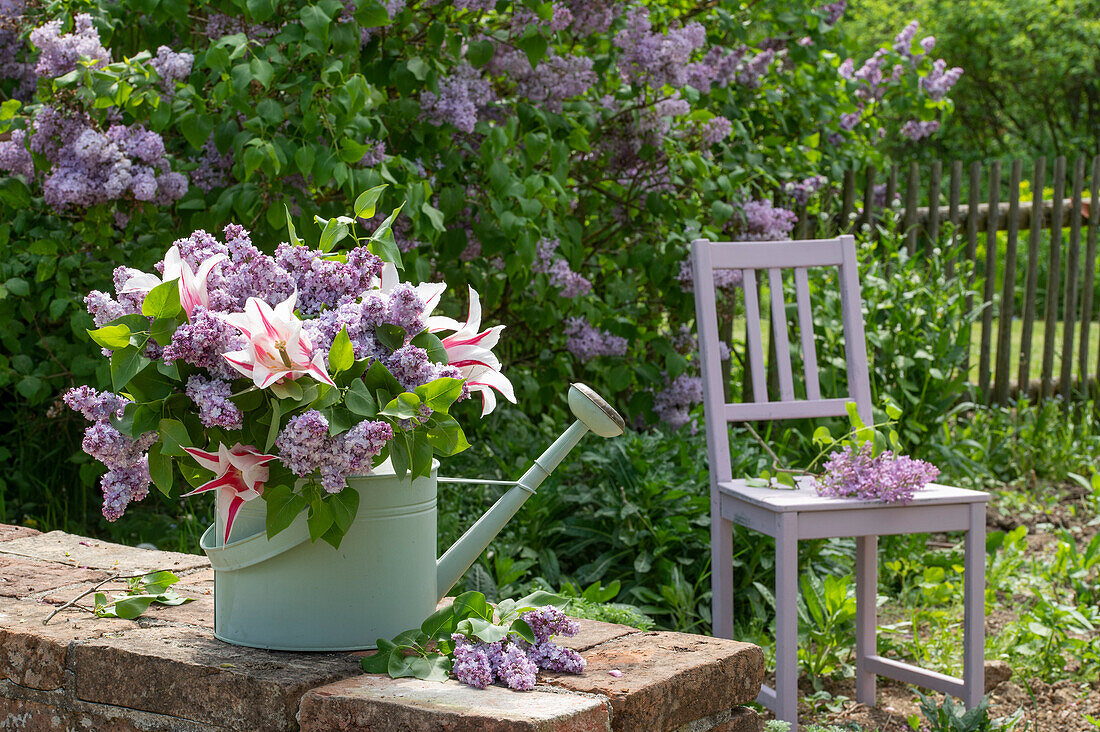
(1028, 253)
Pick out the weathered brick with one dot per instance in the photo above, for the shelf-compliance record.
(377, 704)
(33, 655)
(55, 711)
(9, 532)
(668, 679)
(21, 577)
(593, 633)
(79, 551)
(738, 719)
(187, 673)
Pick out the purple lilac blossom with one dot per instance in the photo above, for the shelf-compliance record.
(752, 71)
(854, 473)
(213, 168)
(123, 485)
(14, 155)
(202, 341)
(219, 25)
(103, 308)
(653, 57)
(172, 66)
(459, 99)
(673, 404)
(322, 283)
(305, 447)
(801, 191)
(916, 130)
(114, 449)
(548, 261)
(59, 52)
(766, 222)
(471, 663)
(96, 406)
(375, 154)
(516, 670)
(903, 41)
(555, 79)
(715, 130)
(724, 279)
(833, 11)
(591, 16)
(585, 341)
(940, 80)
(212, 397)
(928, 43)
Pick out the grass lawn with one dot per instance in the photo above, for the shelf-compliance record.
(1036, 366)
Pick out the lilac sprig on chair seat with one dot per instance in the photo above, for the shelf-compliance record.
(854, 472)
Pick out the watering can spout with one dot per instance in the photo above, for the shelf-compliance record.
(593, 414)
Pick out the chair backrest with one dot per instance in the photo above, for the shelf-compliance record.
(774, 257)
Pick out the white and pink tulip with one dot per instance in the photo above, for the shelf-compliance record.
(192, 284)
(240, 473)
(277, 348)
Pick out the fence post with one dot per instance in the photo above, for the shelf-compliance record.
(1031, 287)
(869, 201)
(912, 199)
(990, 274)
(971, 250)
(934, 205)
(953, 215)
(1069, 312)
(848, 202)
(1053, 280)
(1008, 289)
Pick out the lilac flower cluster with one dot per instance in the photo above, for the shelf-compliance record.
(656, 58)
(127, 478)
(715, 130)
(917, 130)
(940, 79)
(324, 283)
(556, 79)
(549, 262)
(15, 158)
(88, 167)
(460, 98)
(903, 41)
(59, 52)
(202, 341)
(801, 191)
(13, 50)
(219, 25)
(855, 473)
(591, 16)
(766, 222)
(375, 154)
(514, 661)
(586, 341)
(833, 11)
(172, 66)
(673, 404)
(211, 396)
(305, 447)
(724, 279)
(212, 169)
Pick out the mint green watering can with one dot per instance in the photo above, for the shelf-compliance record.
(286, 593)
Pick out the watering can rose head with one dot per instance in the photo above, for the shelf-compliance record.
(316, 364)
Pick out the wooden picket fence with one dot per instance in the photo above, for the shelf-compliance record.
(932, 210)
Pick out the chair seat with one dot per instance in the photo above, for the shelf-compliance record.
(805, 498)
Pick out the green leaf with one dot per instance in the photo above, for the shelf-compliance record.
(131, 607)
(483, 630)
(160, 468)
(316, 22)
(541, 598)
(520, 627)
(262, 71)
(379, 377)
(174, 437)
(379, 663)
(534, 44)
(421, 455)
(341, 355)
(403, 406)
(125, 365)
(480, 53)
(162, 330)
(367, 201)
(111, 336)
(440, 394)
(822, 436)
(319, 520)
(382, 243)
(400, 454)
(434, 215)
(389, 335)
(439, 624)
(430, 342)
(163, 301)
(359, 400)
(472, 605)
(445, 435)
(304, 159)
(290, 226)
(334, 232)
(344, 506)
(273, 427)
(196, 129)
(283, 506)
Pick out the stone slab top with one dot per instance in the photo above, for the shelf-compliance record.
(166, 671)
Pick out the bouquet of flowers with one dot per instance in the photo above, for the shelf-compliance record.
(278, 376)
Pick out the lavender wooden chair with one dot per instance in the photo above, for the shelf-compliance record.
(790, 515)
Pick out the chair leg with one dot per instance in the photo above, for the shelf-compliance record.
(974, 608)
(866, 616)
(721, 575)
(786, 619)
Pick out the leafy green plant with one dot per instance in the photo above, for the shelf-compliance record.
(948, 717)
(595, 603)
(141, 591)
(826, 613)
